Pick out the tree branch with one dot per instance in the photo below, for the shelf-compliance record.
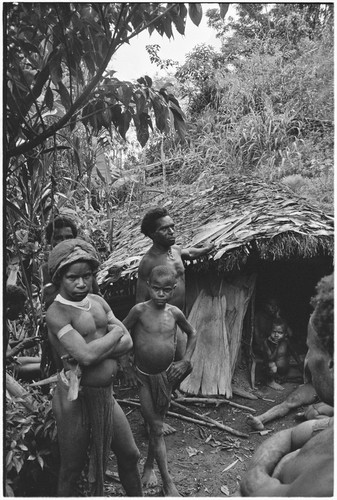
(116, 41)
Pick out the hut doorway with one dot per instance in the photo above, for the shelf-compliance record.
(293, 284)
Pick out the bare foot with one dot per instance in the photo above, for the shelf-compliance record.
(149, 478)
(275, 385)
(167, 429)
(255, 422)
(170, 490)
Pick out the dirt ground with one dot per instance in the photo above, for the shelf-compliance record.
(206, 461)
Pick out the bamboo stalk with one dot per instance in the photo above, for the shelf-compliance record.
(215, 401)
(17, 391)
(46, 381)
(210, 420)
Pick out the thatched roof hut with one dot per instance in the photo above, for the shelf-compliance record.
(267, 241)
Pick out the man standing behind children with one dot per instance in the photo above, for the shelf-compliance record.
(153, 326)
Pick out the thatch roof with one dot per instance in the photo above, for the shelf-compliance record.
(242, 216)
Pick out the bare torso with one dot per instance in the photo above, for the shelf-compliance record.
(277, 351)
(154, 337)
(315, 461)
(91, 325)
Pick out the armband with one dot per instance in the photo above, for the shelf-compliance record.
(67, 328)
(110, 316)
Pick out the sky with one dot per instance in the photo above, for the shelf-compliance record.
(132, 61)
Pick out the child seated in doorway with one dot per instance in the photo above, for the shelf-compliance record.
(153, 325)
(276, 354)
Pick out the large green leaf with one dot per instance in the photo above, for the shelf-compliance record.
(55, 68)
(17, 211)
(178, 17)
(195, 12)
(142, 123)
(179, 124)
(49, 98)
(116, 114)
(223, 9)
(161, 113)
(65, 97)
(124, 123)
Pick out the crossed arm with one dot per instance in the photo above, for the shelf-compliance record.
(262, 476)
(114, 343)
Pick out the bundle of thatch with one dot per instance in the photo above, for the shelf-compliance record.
(242, 216)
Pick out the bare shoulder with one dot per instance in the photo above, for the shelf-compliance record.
(140, 307)
(58, 315)
(54, 310)
(177, 248)
(99, 300)
(145, 264)
(175, 311)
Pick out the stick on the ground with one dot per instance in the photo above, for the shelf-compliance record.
(169, 413)
(190, 419)
(210, 420)
(215, 401)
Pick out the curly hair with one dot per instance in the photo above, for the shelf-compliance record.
(148, 225)
(163, 272)
(280, 322)
(323, 315)
(57, 223)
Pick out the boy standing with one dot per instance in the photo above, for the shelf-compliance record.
(154, 330)
(86, 339)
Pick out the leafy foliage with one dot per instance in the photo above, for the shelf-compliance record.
(268, 106)
(199, 76)
(285, 23)
(155, 59)
(31, 451)
(54, 68)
